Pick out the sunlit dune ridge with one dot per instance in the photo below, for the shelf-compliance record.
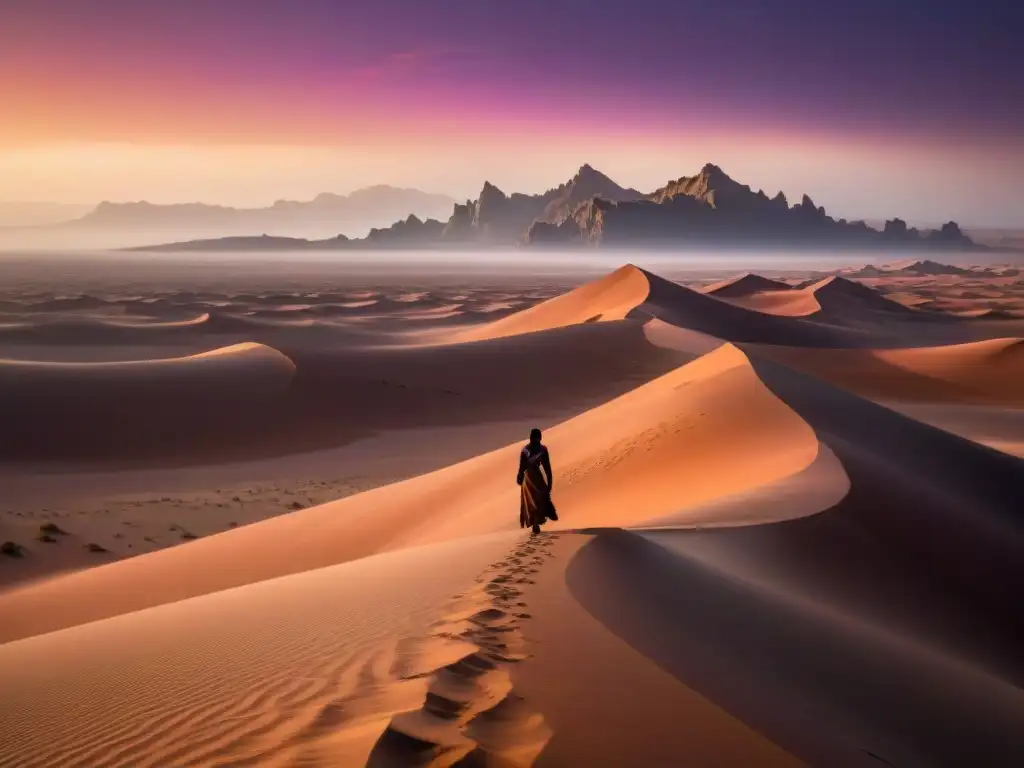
(641, 458)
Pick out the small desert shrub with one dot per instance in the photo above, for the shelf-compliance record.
(52, 529)
(94, 547)
(188, 536)
(11, 549)
(296, 505)
(47, 538)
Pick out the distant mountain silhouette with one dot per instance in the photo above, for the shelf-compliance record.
(712, 208)
(707, 209)
(497, 218)
(411, 232)
(323, 217)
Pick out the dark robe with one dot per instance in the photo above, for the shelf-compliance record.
(535, 505)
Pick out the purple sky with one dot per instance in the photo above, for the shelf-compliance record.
(946, 76)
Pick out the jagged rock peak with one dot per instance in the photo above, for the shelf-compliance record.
(490, 190)
(702, 186)
(589, 177)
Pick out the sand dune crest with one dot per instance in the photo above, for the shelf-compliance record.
(703, 430)
(987, 372)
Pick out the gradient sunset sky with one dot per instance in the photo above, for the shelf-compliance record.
(875, 108)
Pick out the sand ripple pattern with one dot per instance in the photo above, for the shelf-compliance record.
(471, 714)
(308, 669)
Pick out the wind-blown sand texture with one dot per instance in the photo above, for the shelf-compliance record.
(761, 537)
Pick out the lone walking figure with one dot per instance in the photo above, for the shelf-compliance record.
(535, 505)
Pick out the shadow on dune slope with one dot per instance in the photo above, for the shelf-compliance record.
(181, 411)
(987, 372)
(886, 628)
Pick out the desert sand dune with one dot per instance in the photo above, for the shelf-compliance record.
(835, 300)
(779, 570)
(162, 318)
(65, 304)
(227, 322)
(633, 292)
(706, 429)
(97, 330)
(830, 313)
(997, 427)
(58, 408)
(466, 396)
(823, 582)
(927, 311)
(788, 303)
(882, 628)
(746, 284)
(263, 369)
(308, 669)
(985, 372)
(611, 298)
(328, 397)
(836, 294)
(988, 314)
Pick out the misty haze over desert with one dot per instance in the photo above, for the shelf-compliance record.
(470, 384)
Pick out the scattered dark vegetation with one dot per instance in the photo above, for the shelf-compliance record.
(52, 529)
(188, 536)
(296, 505)
(94, 547)
(45, 537)
(11, 549)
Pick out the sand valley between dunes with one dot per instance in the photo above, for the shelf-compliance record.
(271, 518)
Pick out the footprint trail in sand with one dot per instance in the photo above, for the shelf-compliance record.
(471, 714)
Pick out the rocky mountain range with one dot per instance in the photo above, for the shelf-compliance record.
(495, 217)
(379, 205)
(711, 208)
(707, 209)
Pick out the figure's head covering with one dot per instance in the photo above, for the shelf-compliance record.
(534, 435)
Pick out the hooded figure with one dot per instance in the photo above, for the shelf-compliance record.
(535, 498)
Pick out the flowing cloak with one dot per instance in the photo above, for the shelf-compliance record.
(534, 499)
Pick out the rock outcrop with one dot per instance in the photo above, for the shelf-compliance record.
(408, 233)
(497, 218)
(707, 209)
(712, 208)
